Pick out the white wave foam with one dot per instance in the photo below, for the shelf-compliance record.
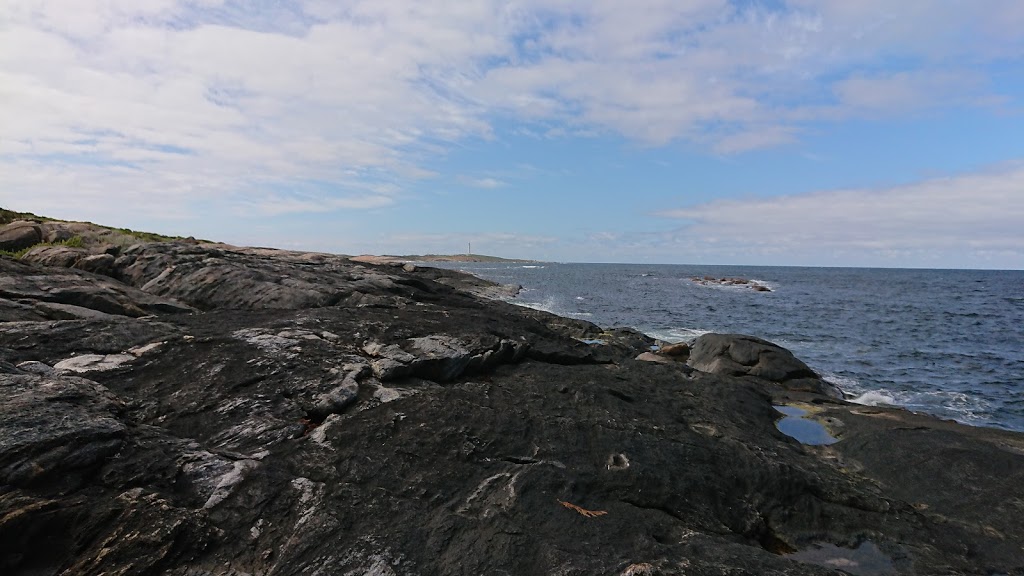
(874, 398)
(845, 383)
(773, 286)
(546, 305)
(676, 334)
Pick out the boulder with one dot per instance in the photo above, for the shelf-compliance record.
(335, 401)
(740, 355)
(19, 235)
(679, 351)
(54, 232)
(35, 367)
(652, 357)
(628, 338)
(59, 256)
(102, 264)
(440, 357)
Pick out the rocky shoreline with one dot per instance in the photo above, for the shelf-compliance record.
(200, 409)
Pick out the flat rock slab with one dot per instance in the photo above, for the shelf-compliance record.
(93, 363)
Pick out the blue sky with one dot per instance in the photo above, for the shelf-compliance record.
(799, 132)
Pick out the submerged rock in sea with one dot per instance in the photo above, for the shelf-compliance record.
(741, 282)
(285, 413)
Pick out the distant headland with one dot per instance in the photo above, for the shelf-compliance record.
(387, 259)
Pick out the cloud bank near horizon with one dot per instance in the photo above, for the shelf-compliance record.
(162, 107)
(975, 216)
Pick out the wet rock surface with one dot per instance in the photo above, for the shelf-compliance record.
(247, 411)
(734, 282)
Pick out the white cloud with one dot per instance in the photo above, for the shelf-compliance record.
(486, 183)
(755, 137)
(187, 100)
(276, 205)
(902, 92)
(949, 220)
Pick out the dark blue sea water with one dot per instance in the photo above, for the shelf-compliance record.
(946, 342)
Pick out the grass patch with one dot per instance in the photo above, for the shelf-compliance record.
(147, 236)
(73, 242)
(117, 234)
(8, 216)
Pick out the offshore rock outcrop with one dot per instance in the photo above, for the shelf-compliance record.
(210, 410)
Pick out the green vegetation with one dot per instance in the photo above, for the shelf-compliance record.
(93, 235)
(8, 216)
(73, 242)
(146, 236)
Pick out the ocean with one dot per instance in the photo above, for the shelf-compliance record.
(944, 342)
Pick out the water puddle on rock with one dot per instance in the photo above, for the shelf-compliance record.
(804, 430)
(864, 560)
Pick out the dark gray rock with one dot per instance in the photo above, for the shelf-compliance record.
(439, 357)
(52, 342)
(220, 276)
(25, 283)
(58, 311)
(387, 369)
(80, 430)
(14, 311)
(20, 235)
(652, 357)
(54, 232)
(336, 400)
(35, 367)
(97, 263)
(739, 355)
(59, 256)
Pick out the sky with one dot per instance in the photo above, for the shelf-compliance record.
(775, 132)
